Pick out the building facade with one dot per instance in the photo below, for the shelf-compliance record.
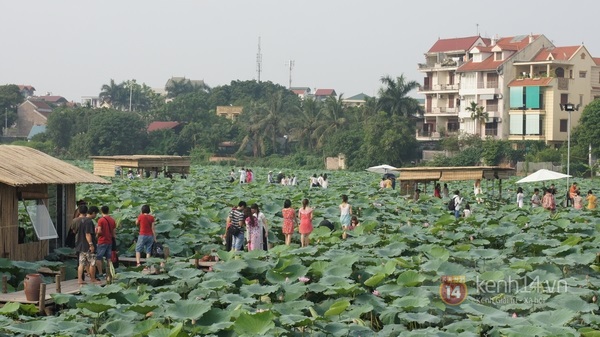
(520, 81)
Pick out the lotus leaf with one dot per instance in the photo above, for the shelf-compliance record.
(187, 309)
(254, 324)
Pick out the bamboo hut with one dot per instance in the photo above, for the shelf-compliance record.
(37, 201)
(411, 176)
(144, 165)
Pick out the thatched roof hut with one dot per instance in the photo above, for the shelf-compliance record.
(37, 200)
(110, 166)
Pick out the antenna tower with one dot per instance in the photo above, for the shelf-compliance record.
(290, 65)
(258, 61)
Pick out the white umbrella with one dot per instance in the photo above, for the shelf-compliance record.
(382, 169)
(542, 175)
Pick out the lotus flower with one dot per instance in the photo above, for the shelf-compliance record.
(376, 293)
(426, 224)
(514, 315)
(303, 279)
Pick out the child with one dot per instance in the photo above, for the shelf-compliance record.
(353, 224)
(345, 212)
(467, 210)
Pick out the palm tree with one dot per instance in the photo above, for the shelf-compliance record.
(274, 119)
(394, 99)
(307, 123)
(333, 118)
(478, 115)
(115, 94)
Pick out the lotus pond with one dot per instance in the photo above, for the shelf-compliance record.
(527, 272)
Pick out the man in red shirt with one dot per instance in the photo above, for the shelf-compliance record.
(147, 235)
(105, 231)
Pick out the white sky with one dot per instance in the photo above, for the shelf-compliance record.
(72, 47)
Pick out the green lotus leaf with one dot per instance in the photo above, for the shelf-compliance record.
(118, 328)
(318, 267)
(167, 296)
(165, 332)
(33, 327)
(97, 307)
(411, 302)
(295, 320)
(187, 309)
(142, 309)
(215, 284)
(492, 276)
(420, 317)
(231, 266)
(63, 299)
(292, 307)
(565, 300)
(524, 331)
(293, 291)
(215, 320)
(10, 308)
(257, 289)
(254, 324)
(374, 280)
(93, 289)
(571, 240)
(440, 253)
(185, 273)
(337, 308)
(410, 278)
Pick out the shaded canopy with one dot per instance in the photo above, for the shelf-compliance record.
(382, 169)
(542, 175)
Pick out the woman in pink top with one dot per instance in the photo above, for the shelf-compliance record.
(289, 220)
(306, 215)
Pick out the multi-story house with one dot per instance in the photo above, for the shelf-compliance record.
(522, 83)
(542, 86)
(484, 78)
(441, 84)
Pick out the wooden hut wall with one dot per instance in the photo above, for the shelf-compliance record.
(104, 167)
(9, 230)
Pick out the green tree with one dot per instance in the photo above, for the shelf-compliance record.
(114, 94)
(394, 99)
(10, 98)
(388, 139)
(587, 131)
(478, 115)
(307, 123)
(332, 119)
(116, 133)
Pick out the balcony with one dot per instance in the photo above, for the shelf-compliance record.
(491, 107)
(443, 110)
(440, 87)
(487, 85)
(448, 63)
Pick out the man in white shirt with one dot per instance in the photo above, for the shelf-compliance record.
(457, 203)
(242, 176)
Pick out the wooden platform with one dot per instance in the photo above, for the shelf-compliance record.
(66, 287)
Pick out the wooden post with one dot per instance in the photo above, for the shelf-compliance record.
(196, 260)
(57, 280)
(4, 284)
(42, 299)
(63, 273)
(167, 252)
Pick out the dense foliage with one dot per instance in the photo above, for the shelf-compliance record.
(383, 280)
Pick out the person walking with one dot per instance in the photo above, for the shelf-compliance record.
(445, 191)
(86, 244)
(147, 234)
(535, 198)
(255, 234)
(520, 197)
(236, 227)
(345, 213)
(437, 191)
(578, 200)
(457, 200)
(477, 191)
(105, 231)
(548, 201)
(306, 215)
(289, 221)
(591, 199)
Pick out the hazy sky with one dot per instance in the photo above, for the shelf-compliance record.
(72, 47)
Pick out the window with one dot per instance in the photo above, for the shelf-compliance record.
(563, 125)
(516, 124)
(564, 98)
(582, 74)
(34, 218)
(453, 126)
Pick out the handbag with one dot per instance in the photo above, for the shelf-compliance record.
(114, 254)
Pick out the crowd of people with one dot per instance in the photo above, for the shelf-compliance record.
(246, 176)
(96, 242)
(246, 227)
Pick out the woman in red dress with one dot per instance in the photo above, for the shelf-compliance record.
(289, 220)
(306, 215)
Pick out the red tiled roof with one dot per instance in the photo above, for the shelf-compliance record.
(597, 60)
(483, 49)
(527, 82)
(28, 87)
(515, 42)
(487, 64)
(558, 53)
(52, 99)
(162, 126)
(325, 92)
(40, 105)
(299, 91)
(459, 43)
